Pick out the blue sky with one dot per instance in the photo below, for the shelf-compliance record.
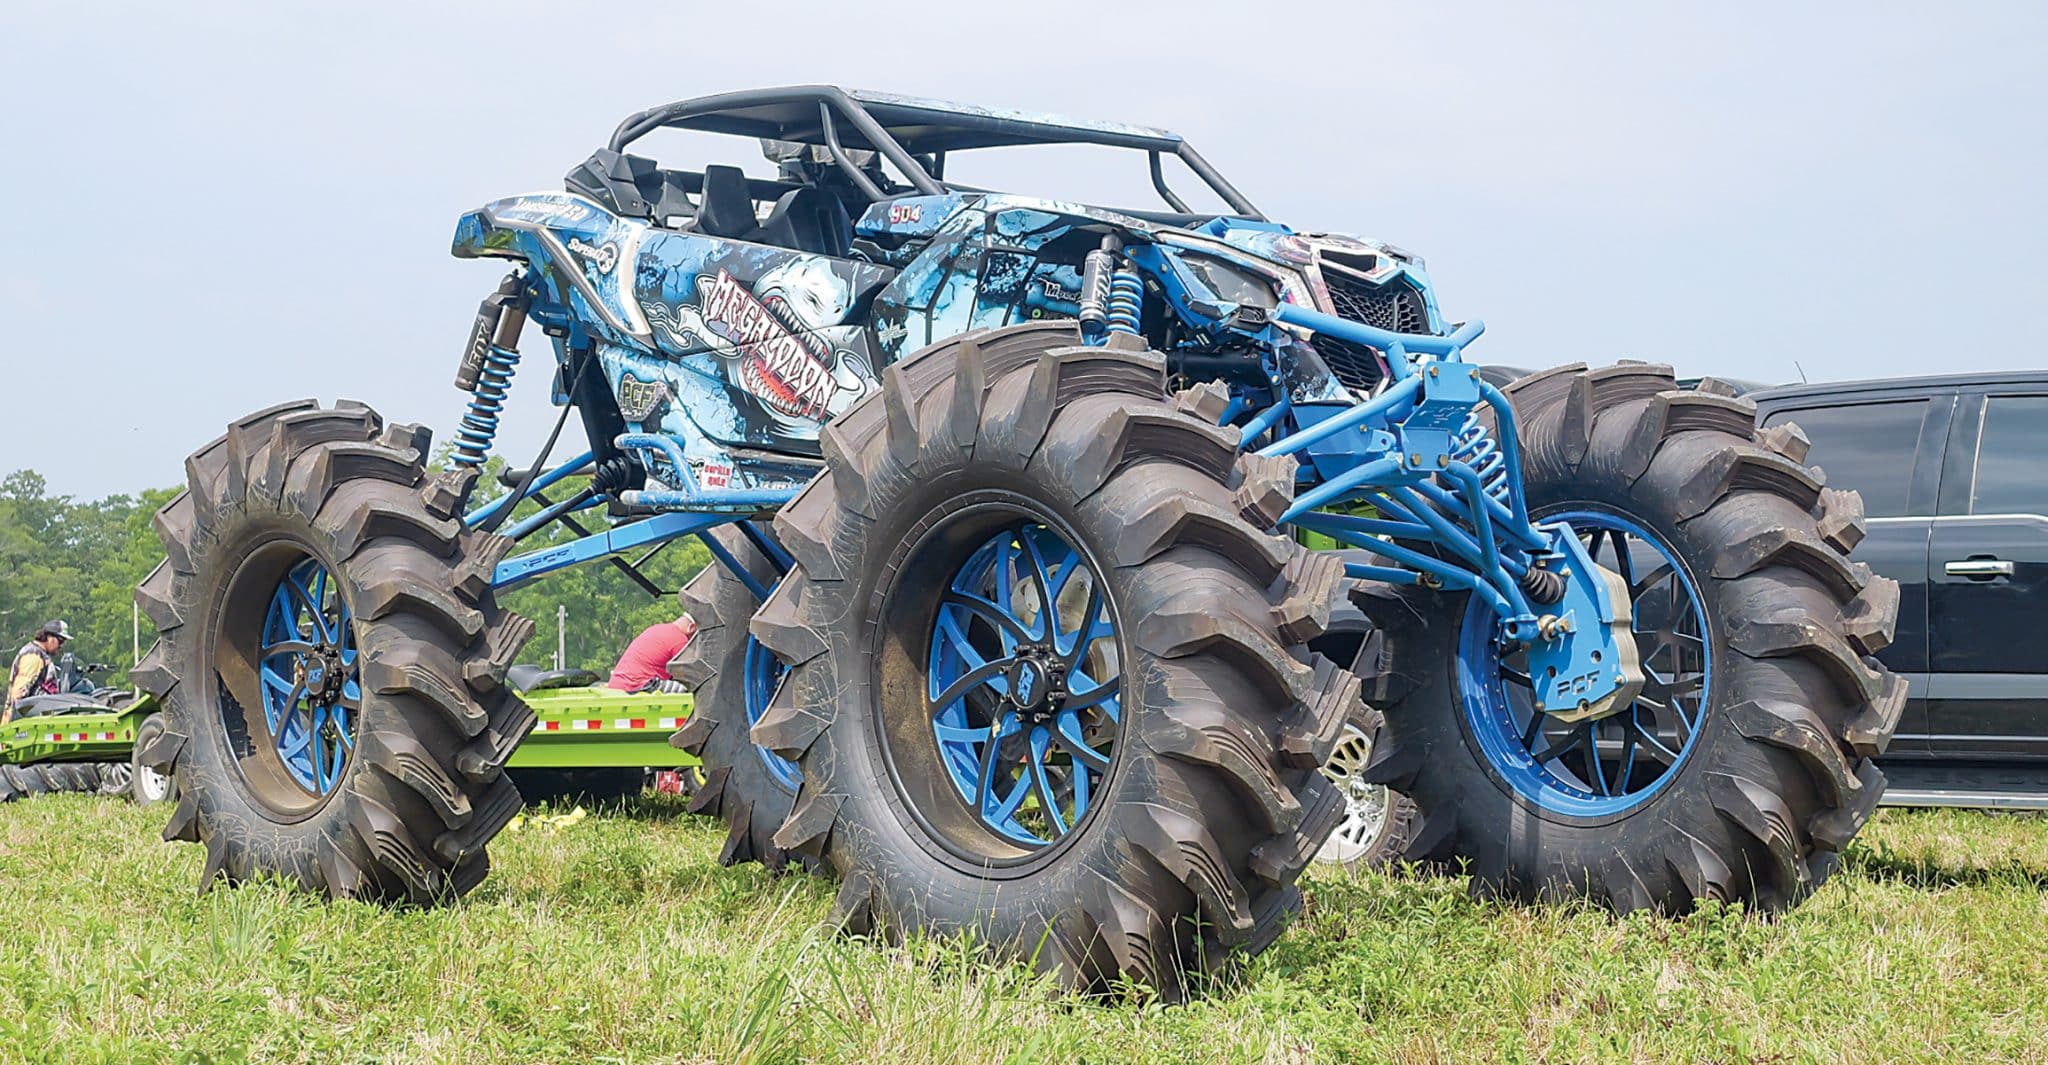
(212, 207)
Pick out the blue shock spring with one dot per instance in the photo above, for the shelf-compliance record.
(1476, 447)
(1126, 302)
(479, 428)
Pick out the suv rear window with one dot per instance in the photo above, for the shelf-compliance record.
(1865, 446)
(2010, 475)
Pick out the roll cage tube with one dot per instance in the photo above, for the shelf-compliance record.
(722, 113)
(830, 98)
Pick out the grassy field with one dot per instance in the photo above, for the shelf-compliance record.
(620, 938)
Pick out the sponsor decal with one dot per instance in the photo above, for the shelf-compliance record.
(713, 475)
(777, 364)
(892, 333)
(1055, 291)
(906, 214)
(556, 211)
(603, 256)
(639, 400)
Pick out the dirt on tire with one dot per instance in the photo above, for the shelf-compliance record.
(1781, 775)
(1214, 802)
(424, 790)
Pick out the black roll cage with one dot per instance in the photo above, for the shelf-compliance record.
(832, 117)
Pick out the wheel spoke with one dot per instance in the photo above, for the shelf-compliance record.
(272, 679)
(312, 606)
(1648, 580)
(974, 678)
(1593, 757)
(1559, 748)
(1075, 744)
(992, 739)
(1082, 632)
(1103, 695)
(1046, 613)
(1650, 739)
(988, 612)
(1624, 559)
(281, 647)
(1037, 747)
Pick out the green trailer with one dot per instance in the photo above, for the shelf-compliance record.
(587, 739)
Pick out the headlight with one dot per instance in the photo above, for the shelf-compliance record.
(1231, 284)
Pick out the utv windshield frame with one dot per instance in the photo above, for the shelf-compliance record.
(914, 135)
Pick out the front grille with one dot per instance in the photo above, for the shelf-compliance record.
(1394, 306)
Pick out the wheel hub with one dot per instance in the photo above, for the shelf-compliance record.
(1037, 683)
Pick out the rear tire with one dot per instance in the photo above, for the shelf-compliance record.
(730, 676)
(116, 778)
(406, 785)
(1750, 801)
(1176, 839)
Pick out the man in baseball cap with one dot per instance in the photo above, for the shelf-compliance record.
(35, 667)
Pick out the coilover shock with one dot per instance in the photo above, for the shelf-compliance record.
(1476, 447)
(1112, 295)
(1126, 301)
(488, 364)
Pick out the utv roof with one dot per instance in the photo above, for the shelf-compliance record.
(899, 127)
(919, 125)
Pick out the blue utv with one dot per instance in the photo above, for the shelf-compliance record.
(1057, 547)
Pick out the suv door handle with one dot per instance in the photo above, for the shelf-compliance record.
(1978, 567)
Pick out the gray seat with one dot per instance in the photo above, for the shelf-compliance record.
(60, 703)
(524, 678)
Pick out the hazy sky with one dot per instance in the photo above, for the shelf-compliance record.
(213, 207)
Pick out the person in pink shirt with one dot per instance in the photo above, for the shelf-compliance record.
(644, 665)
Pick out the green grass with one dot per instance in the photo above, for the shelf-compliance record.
(620, 938)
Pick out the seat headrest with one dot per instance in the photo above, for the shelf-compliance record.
(725, 208)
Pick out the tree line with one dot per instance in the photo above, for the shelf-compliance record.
(80, 561)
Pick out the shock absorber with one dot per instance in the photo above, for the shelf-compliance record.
(1476, 447)
(487, 368)
(1126, 301)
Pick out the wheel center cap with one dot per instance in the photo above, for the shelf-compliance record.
(1037, 683)
(1027, 684)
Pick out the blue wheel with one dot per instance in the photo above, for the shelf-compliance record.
(331, 663)
(1048, 686)
(1744, 764)
(1611, 764)
(764, 673)
(1022, 682)
(312, 687)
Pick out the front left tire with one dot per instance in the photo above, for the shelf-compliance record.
(331, 661)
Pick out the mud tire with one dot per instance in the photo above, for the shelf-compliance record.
(425, 789)
(1215, 802)
(1781, 775)
(735, 785)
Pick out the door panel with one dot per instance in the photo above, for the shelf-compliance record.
(1988, 592)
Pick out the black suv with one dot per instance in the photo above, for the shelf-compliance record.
(1954, 477)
